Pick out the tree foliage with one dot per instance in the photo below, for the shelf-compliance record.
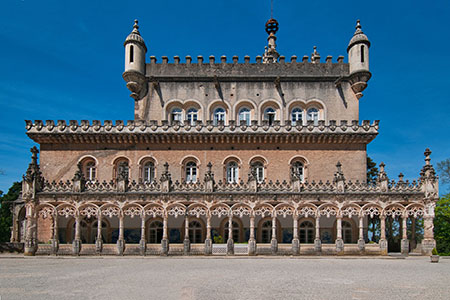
(372, 171)
(443, 168)
(5, 210)
(442, 225)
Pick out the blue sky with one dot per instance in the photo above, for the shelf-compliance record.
(64, 60)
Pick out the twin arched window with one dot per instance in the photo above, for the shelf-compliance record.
(297, 115)
(176, 115)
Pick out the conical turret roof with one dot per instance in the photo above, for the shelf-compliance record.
(135, 36)
(358, 37)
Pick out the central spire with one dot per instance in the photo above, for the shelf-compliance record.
(270, 53)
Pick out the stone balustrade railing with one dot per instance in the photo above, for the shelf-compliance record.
(241, 187)
(153, 126)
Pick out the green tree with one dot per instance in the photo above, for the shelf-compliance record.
(372, 171)
(442, 225)
(5, 210)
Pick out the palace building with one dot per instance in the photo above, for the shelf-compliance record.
(263, 156)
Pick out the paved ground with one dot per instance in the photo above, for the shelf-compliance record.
(222, 278)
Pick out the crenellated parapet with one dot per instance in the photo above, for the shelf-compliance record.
(234, 70)
(163, 132)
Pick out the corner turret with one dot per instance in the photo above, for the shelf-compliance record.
(134, 74)
(358, 58)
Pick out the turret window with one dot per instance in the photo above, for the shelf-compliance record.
(244, 115)
(131, 53)
(313, 115)
(192, 116)
(362, 53)
(269, 115)
(297, 116)
(219, 115)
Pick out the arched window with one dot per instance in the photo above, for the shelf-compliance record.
(297, 116)
(235, 231)
(122, 167)
(346, 232)
(89, 169)
(155, 232)
(244, 115)
(192, 116)
(298, 170)
(306, 232)
(258, 167)
(148, 172)
(269, 115)
(195, 232)
(219, 115)
(176, 115)
(191, 172)
(313, 114)
(232, 172)
(266, 232)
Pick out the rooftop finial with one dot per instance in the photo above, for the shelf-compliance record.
(271, 54)
(136, 27)
(358, 24)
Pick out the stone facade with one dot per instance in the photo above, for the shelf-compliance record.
(223, 157)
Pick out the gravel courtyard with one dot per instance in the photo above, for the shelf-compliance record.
(223, 278)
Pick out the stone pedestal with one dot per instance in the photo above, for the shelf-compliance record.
(251, 247)
(383, 247)
(120, 247)
(186, 246)
(295, 247)
(164, 247)
(317, 246)
(339, 246)
(55, 246)
(274, 246)
(427, 246)
(361, 246)
(98, 246)
(230, 247)
(30, 247)
(142, 246)
(76, 247)
(208, 247)
(405, 246)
